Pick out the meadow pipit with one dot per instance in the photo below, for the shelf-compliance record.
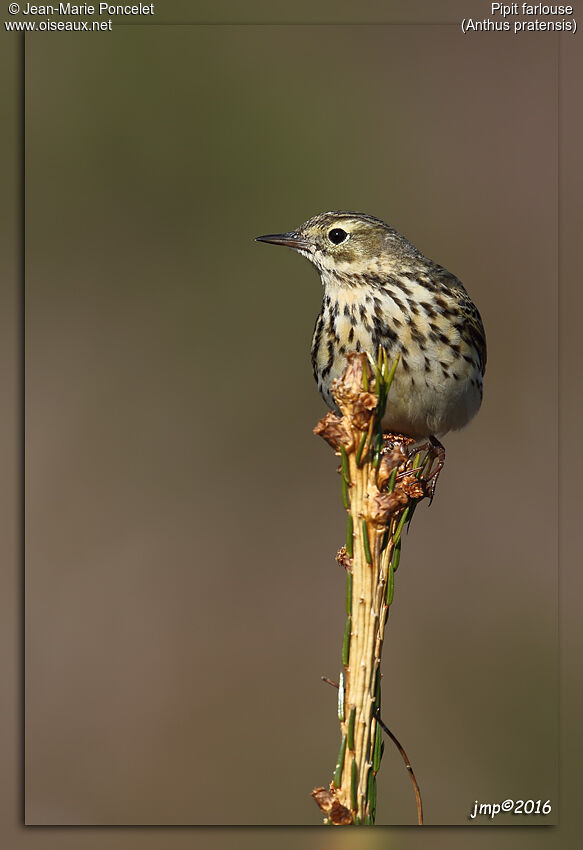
(379, 290)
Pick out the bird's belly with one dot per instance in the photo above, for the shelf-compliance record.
(421, 403)
(431, 393)
(437, 385)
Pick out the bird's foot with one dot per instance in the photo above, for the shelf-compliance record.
(390, 441)
(435, 452)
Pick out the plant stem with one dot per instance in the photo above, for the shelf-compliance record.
(380, 486)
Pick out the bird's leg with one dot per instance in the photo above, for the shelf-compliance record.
(436, 451)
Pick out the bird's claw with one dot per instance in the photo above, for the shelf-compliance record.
(435, 451)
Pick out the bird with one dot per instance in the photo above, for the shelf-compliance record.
(379, 290)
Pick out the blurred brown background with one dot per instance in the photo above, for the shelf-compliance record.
(159, 622)
(182, 596)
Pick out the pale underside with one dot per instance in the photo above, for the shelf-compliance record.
(435, 389)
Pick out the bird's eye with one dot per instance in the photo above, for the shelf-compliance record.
(337, 235)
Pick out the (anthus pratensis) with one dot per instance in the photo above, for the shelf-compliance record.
(379, 290)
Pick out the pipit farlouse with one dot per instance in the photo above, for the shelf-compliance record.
(379, 290)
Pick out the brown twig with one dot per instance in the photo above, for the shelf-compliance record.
(409, 768)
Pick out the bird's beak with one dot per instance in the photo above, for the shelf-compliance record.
(290, 240)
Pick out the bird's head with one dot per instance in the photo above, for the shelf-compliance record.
(344, 243)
